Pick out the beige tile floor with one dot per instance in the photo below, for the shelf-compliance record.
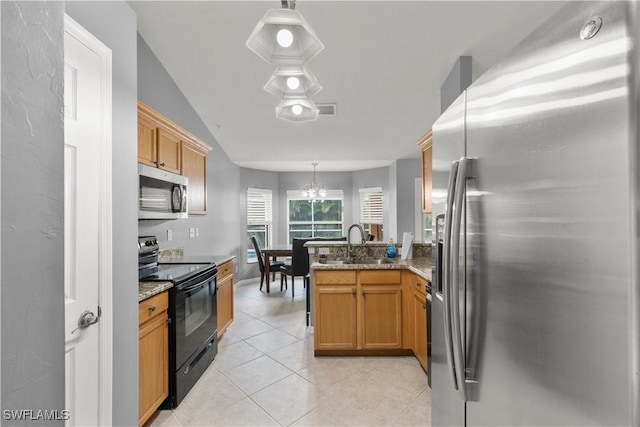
(265, 374)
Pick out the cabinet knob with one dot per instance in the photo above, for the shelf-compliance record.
(152, 308)
(424, 306)
(362, 293)
(162, 164)
(353, 291)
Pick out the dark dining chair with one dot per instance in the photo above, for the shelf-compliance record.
(300, 261)
(299, 264)
(274, 267)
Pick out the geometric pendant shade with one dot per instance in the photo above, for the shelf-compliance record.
(293, 81)
(283, 36)
(297, 110)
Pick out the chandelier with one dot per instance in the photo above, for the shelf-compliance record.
(314, 189)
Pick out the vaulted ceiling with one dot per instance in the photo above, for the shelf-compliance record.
(383, 65)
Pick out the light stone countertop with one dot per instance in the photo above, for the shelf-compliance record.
(148, 289)
(420, 266)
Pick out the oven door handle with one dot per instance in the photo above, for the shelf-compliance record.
(193, 287)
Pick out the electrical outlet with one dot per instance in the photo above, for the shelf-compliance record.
(169, 235)
(324, 251)
(197, 231)
(192, 232)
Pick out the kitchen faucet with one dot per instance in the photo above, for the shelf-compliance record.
(349, 247)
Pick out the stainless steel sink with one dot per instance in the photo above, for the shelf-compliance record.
(373, 261)
(336, 261)
(368, 261)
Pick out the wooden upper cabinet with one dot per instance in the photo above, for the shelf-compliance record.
(194, 167)
(165, 145)
(147, 142)
(426, 144)
(168, 151)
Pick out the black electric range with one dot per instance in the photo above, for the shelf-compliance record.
(193, 329)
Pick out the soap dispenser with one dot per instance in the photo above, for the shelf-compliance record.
(391, 249)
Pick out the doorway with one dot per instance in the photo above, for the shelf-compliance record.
(87, 213)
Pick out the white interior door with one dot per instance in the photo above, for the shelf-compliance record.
(84, 123)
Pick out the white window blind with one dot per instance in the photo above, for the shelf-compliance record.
(259, 206)
(371, 210)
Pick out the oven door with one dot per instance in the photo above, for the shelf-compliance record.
(195, 316)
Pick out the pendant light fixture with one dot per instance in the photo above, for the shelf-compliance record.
(314, 189)
(297, 110)
(293, 81)
(283, 36)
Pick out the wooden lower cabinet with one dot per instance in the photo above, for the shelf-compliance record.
(420, 328)
(153, 354)
(224, 297)
(335, 317)
(414, 306)
(357, 310)
(380, 303)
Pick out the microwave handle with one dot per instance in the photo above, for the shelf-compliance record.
(176, 198)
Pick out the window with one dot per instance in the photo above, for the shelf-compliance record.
(259, 219)
(371, 211)
(314, 218)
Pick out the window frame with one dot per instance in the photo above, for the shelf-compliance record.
(331, 195)
(267, 220)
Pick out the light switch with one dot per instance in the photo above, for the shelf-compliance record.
(169, 235)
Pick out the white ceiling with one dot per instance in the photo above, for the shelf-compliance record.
(383, 64)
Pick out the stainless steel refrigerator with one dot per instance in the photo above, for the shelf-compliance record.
(535, 203)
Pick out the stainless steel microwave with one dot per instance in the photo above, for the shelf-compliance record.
(161, 194)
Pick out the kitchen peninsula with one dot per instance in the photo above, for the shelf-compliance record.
(369, 304)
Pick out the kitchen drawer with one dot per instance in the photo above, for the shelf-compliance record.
(420, 285)
(152, 307)
(341, 277)
(379, 277)
(225, 269)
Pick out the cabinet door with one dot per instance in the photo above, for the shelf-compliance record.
(168, 151)
(335, 317)
(147, 142)
(194, 167)
(420, 327)
(426, 142)
(408, 284)
(381, 316)
(225, 303)
(153, 365)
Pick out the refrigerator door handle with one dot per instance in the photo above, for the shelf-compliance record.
(457, 336)
(446, 273)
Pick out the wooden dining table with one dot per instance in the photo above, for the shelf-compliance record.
(273, 252)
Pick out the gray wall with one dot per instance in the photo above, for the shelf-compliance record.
(297, 180)
(407, 172)
(114, 23)
(32, 206)
(158, 90)
(255, 179)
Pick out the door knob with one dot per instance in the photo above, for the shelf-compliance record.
(86, 319)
